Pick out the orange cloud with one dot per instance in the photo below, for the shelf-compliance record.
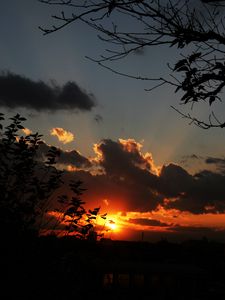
(62, 135)
(27, 131)
(72, 168)
(167, 200)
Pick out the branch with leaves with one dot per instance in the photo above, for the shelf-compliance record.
(78, 221)
(28, 186)
(196, 30)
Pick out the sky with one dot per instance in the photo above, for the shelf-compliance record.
(141, 162)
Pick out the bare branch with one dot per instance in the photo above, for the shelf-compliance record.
(199, 123)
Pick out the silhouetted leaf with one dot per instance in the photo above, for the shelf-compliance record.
(194, 56)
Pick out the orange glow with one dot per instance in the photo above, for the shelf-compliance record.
(111, 225)
(119, 225)
(71, 168)
(171, 218)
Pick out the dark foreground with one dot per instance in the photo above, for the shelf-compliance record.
(52, 268)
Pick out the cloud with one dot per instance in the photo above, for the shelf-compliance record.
(27, 131)
(206, 189)
(63, 136)
(19, 91)
(72, 158)
(174, 180)
(144, 189)
(129, 171)
(218, 162)
(124, 158)
(130, 181)
(148, 222)
(170, 202)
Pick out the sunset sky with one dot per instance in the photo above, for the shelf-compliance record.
(148, 168)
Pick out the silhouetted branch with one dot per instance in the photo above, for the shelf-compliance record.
(201, 124)
(196, 30)
(28, 186)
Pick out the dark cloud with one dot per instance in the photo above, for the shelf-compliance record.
(218, 162)
(123, 158)
(174, 180)
(207, 190)
(128, 182)
(128, 169)
(215, 160)
(200, 193)
(19, 91)
(148, 222)
(72, 158)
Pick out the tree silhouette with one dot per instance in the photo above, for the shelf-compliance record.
(195, 28)
(25, 183)
(28, 186)
(80, 222)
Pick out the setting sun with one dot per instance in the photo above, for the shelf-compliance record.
(111, 225)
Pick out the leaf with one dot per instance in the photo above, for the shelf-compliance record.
(20, 126)
(91, 218)
(219, 65)
(94, 211)
(181, 63)
(201, 87)
(22, 119)
(194, 56)
(104, 216)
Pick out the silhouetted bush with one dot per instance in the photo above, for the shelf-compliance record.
(27, 183)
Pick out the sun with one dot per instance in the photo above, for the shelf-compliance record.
(111, 225)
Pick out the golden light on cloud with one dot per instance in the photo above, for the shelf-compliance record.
(98, 153)
(71, 168)
(63, 135)
(130, 144)
(27, 131)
